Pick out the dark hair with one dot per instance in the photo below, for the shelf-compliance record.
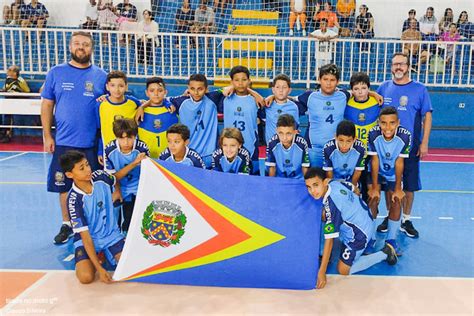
(157, 80)
(365, 7)
(85, 34)
(70, 158)
(286, 120)
(180, 129)
(116, 74)
(149, 13)
(389, 110)
(315, 172)
(412, 11)
(430, 9)
(359, 77)
(238, 69)
(231, 132)
(446, 12)
(324, 20)
(281, 77)
(330, 69)
(199, 78)
(401, 54)
(346, 128)
(124, 125)
(460, 14)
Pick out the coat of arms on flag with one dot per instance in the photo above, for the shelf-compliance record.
(163, 223)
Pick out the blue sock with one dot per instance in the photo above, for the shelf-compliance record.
(392, 229)
(365, 262)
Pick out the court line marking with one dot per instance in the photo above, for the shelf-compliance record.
(438, 161)
(446, 217)
(69, 258)
(447, 191)
(14, 156)
(444, 155)
(25, 183)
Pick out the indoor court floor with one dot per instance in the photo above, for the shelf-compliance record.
(435, 275)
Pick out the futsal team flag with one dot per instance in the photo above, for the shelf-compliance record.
(200, 227)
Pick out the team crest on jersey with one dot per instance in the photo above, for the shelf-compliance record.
(387, 155)
(199, 112)
(361, 117)
(157, 124)
(328, 103)
(59, 178)
(118, 117)
(279, 111)
(344, 166)
(163, 223)
(239, 109)
(343, 192)
(403, 101)
(89, 86)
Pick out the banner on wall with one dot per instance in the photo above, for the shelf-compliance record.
(200, 227)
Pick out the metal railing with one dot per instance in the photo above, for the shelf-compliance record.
(177, 56)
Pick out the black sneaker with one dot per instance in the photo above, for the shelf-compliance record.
(408, 229)
(391, 254)
(383, 228)
(64, 234)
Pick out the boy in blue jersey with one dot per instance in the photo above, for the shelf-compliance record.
(240, 110)
(346, 216)
(389, 144)
(198, 112)
(281, 88)
(178, 151)
(157, 117)
(122, 159)
(287, 151)
(344, 156)
(90, 207)
(115, 105)
(231, 157)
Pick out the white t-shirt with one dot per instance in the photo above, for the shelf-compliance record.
(299, 5)
(91, 12)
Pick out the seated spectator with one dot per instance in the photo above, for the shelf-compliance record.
(148, 39)
(429, 27)
(329, 15)
(91, 16)
(446, 20)
(465, 28)
(11, 13)
(184, 19)
(107, 16)
(345, 14)
(222, 3)
(298, 15)
(203, 20)
(324, 49)
(406, 23)
(412, 49)
(127, 16)
(364, 26)
(450, 36)
(34, 14)
(13, 83)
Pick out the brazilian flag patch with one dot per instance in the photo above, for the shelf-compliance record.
(329, 228)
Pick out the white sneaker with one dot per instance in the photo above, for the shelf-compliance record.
(304, 32)
(13, 22)
(298, 23)
(291, 33)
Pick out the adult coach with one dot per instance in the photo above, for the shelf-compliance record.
(413, 103)
(69, 99)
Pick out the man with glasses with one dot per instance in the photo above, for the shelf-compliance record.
(413, 103)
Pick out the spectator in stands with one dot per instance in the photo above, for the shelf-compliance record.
(271, 5)
(298, 15)
(222, 3)
(406, 23)
(107, 15)
(34, 14)
(91, 16)
(127, 15)
(13, 83)
(184, 19)
(329, 15)
(203, 21)
(148, 40)
(449, 36)
(325, 48)
(364, 26)
(412, 49)
(11, 13)
(345, 13)
(429, 27)
(465, 28)
(446, 20)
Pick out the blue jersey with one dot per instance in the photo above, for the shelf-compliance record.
(341, 164)
(95, 211)
(115, 160)
(389, 151)
(28, 11)
(201, 119)
(289, 162)
(347, 216)
(241, 164)
(412, 102)
(241, 112)
(273, 112)
(324, 113)
(74, 91)
(191, 158)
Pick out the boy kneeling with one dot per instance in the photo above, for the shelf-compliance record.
(93, 220)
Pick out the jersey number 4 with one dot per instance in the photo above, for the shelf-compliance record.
(330, 119)
(240, 125)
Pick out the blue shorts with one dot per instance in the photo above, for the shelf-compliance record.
(349, 255)
(316, 157)
(57, 180)
(385, 185)
(411, 172)
(110, 252)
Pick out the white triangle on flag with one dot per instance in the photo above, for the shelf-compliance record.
(138, 254)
